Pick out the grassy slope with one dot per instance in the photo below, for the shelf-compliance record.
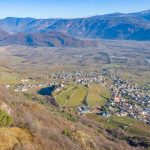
(77, 97)
(74, 95)
(46, 128)
(65, 95)
(7, 76)
(134, 127)
(96, 95)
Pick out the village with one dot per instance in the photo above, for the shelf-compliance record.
(127, 98)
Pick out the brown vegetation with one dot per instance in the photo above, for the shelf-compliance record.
(45, 128)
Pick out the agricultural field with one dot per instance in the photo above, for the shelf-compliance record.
(65, 95)
(139, 78)
(77, 96)
(116, 121)
(133, 126)
(71, 96)
(139, 129)
(97, 95)
(74, 95)
(7, 76)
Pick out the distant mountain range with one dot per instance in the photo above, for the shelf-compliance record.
(133, 26)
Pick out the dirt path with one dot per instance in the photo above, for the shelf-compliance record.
(70, 97)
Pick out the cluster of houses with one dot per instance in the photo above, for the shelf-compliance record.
(79, 77)
(82, 109)
(28, 83)
(26, 86)
(127, 99)
(59, 78)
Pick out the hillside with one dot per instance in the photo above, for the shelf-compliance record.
(133, 26)
(39, 128)
(3, 34)
(51, 39)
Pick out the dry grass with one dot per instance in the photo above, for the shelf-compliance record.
(12, 137)
(44, 128)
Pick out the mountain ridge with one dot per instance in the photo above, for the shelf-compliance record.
(50, 39)
(132, 26)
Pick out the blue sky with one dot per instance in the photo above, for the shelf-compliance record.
(68, 8)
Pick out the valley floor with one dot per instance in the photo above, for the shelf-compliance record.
(69, 98)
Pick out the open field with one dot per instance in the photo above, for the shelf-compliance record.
(7, 76)
(116, 121)
(48, 59)
(75, 94)
(77, 97)
(133, 126)
(72, 96)
(97, 95)
(64, 96)
(139, 77)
